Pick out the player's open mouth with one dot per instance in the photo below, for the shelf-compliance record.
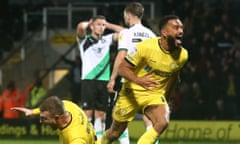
(179, 40)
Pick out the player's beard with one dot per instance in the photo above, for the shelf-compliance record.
(172, 43)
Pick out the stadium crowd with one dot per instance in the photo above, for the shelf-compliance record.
(210, 82)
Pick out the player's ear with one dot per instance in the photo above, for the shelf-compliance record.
(163, 33)
(90, 25)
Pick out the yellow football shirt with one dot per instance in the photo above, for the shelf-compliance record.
(149, 58)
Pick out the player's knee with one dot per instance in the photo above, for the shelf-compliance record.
(161, 125)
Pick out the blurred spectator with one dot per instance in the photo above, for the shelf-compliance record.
(198, 101)
(175, 103)
(36, 94)
(230, 98)
(1, 91)
(28, 89)
(11, 97)
(186, 109)
(219, 113)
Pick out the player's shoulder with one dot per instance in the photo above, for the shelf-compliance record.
(184, 52)
(184, 49)
(107, 37)
(125, 30)
(68, 103)
(141, 26)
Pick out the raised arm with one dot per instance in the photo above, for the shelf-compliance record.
(116, 28)
(82, 28)
(26, 111)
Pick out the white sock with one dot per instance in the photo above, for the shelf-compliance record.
(99, 128)
(147, 128)
(124, 138)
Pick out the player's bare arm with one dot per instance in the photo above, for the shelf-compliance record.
(82, 28)
(26, 111)
(119, 58)
(115, 28)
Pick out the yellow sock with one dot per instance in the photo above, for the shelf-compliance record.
(104, 139)
(149, 137)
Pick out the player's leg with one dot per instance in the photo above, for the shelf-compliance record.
(99, 123)
(114, 132)
(124, 138)
(148, 124)
(89, 113)
(101, 105)
(159, 115)
(87, 102)
(124, 111)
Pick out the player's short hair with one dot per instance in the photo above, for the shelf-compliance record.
(165, 20)
(135, 9)
(53, 105)
(98, 17)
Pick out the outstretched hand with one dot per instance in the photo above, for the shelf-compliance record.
(26, 111)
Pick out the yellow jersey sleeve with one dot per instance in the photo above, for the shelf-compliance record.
(36, 111)
(136, 56)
